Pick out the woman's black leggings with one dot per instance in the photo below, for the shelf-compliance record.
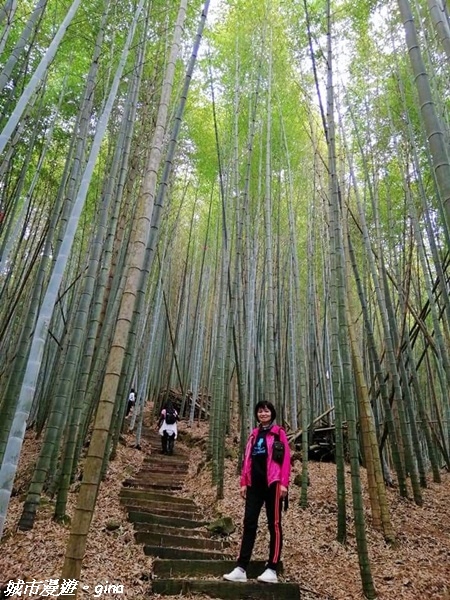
(256, 497)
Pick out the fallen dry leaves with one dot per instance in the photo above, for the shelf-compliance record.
(418, 568)
(112, 557)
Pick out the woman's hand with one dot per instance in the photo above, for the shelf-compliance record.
(243, 491)
(283, 491)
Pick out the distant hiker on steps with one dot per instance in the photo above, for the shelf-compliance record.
(131, 401)
(264, 480)
(167, 426)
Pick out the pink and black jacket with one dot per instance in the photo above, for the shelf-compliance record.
(275, 471)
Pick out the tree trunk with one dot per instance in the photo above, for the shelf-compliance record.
(91, 480)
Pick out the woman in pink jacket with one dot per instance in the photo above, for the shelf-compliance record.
(264, 480)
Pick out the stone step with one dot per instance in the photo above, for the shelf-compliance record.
(186, 553)
(178, 456)
(166, 510)
(128, 493)
(251, 590)
(164, 475)
(169, 472)
(166, 540)
(157, 467)
(135, 483)
(183, 511)
(159, 478)
(177, 568)
(139, 516)
(161, 472)
(156, 448)
(174, 460)
(172, 469)
(162, 529)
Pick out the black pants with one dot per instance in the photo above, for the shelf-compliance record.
(167, 443)
(256, 497)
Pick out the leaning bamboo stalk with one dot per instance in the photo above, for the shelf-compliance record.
(21, 43)
(41, 331)
(439, 18)
(268, 251)
(435, 133)
(37, 77)
(89, 486)
(340, 331)
(377, 490)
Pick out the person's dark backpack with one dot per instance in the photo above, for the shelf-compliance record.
(171, 416)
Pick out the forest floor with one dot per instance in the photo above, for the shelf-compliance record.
(418, 567)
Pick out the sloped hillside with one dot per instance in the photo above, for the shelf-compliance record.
(417, 568)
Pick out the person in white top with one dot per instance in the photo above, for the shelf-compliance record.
(131, 401)
(167, 427)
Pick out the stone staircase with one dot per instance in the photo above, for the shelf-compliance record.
(172, 529)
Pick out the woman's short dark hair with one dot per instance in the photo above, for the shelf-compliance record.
(266, 404)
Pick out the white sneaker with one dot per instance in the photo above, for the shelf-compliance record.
(269, 576)
(237, 574)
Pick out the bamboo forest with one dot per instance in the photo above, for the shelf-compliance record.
(228, 200)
